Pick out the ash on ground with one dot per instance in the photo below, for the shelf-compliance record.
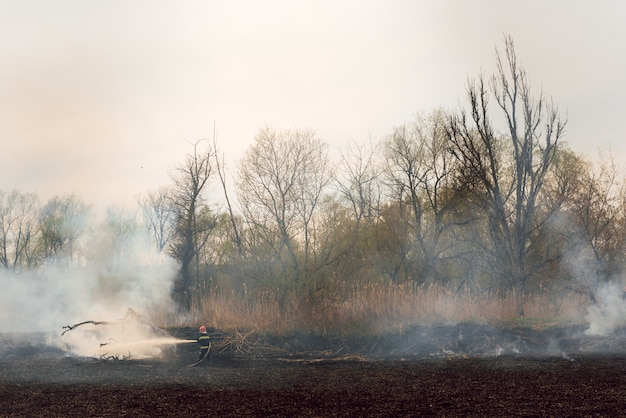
(458, 340)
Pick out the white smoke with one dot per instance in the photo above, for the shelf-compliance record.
(610, 311)
(115, 273)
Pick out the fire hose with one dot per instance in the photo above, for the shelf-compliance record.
(206, 355)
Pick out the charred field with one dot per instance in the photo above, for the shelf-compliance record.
(464, 369)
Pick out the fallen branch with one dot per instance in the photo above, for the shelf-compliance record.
(72, 327)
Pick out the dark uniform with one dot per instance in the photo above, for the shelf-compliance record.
(204, 341)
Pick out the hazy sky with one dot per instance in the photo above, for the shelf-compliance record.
(103, 98)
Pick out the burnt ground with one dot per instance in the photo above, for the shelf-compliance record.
(459, 370)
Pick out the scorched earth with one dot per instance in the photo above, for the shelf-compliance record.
(460, 370)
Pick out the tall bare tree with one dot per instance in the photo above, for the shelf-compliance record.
(420, 172)
(221, 171)
(194, 220)
(281, 179)
(509, 168)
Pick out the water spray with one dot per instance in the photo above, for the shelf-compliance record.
(128, 336)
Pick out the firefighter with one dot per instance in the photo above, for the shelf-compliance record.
(205, 343)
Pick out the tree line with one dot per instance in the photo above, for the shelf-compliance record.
(488, 199)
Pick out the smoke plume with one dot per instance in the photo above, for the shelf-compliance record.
(114, 280)
(610, 311)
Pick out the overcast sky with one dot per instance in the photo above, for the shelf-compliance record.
(103, 98)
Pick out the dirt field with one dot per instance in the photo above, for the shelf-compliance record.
(554, 372)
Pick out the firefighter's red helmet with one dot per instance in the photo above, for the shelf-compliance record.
(202, 328)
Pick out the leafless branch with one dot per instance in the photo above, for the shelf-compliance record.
(72, 327)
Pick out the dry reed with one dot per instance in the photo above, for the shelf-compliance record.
(367, 309)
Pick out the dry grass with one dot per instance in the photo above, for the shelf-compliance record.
(370, 309)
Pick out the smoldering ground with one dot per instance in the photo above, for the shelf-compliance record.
(42, 314)
(176, 346)
(305, 375)
(458, 369)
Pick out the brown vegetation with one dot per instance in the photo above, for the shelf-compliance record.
(374, 310)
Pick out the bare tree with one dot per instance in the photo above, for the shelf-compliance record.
(420, 171)
(18, 230)
(596, 209)
(360, 180)
(114, 238)
(281, 178)
(159, 216)
(315, 174)
(509, 193)
(221, 171)
(62, 222)
(194, 220)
